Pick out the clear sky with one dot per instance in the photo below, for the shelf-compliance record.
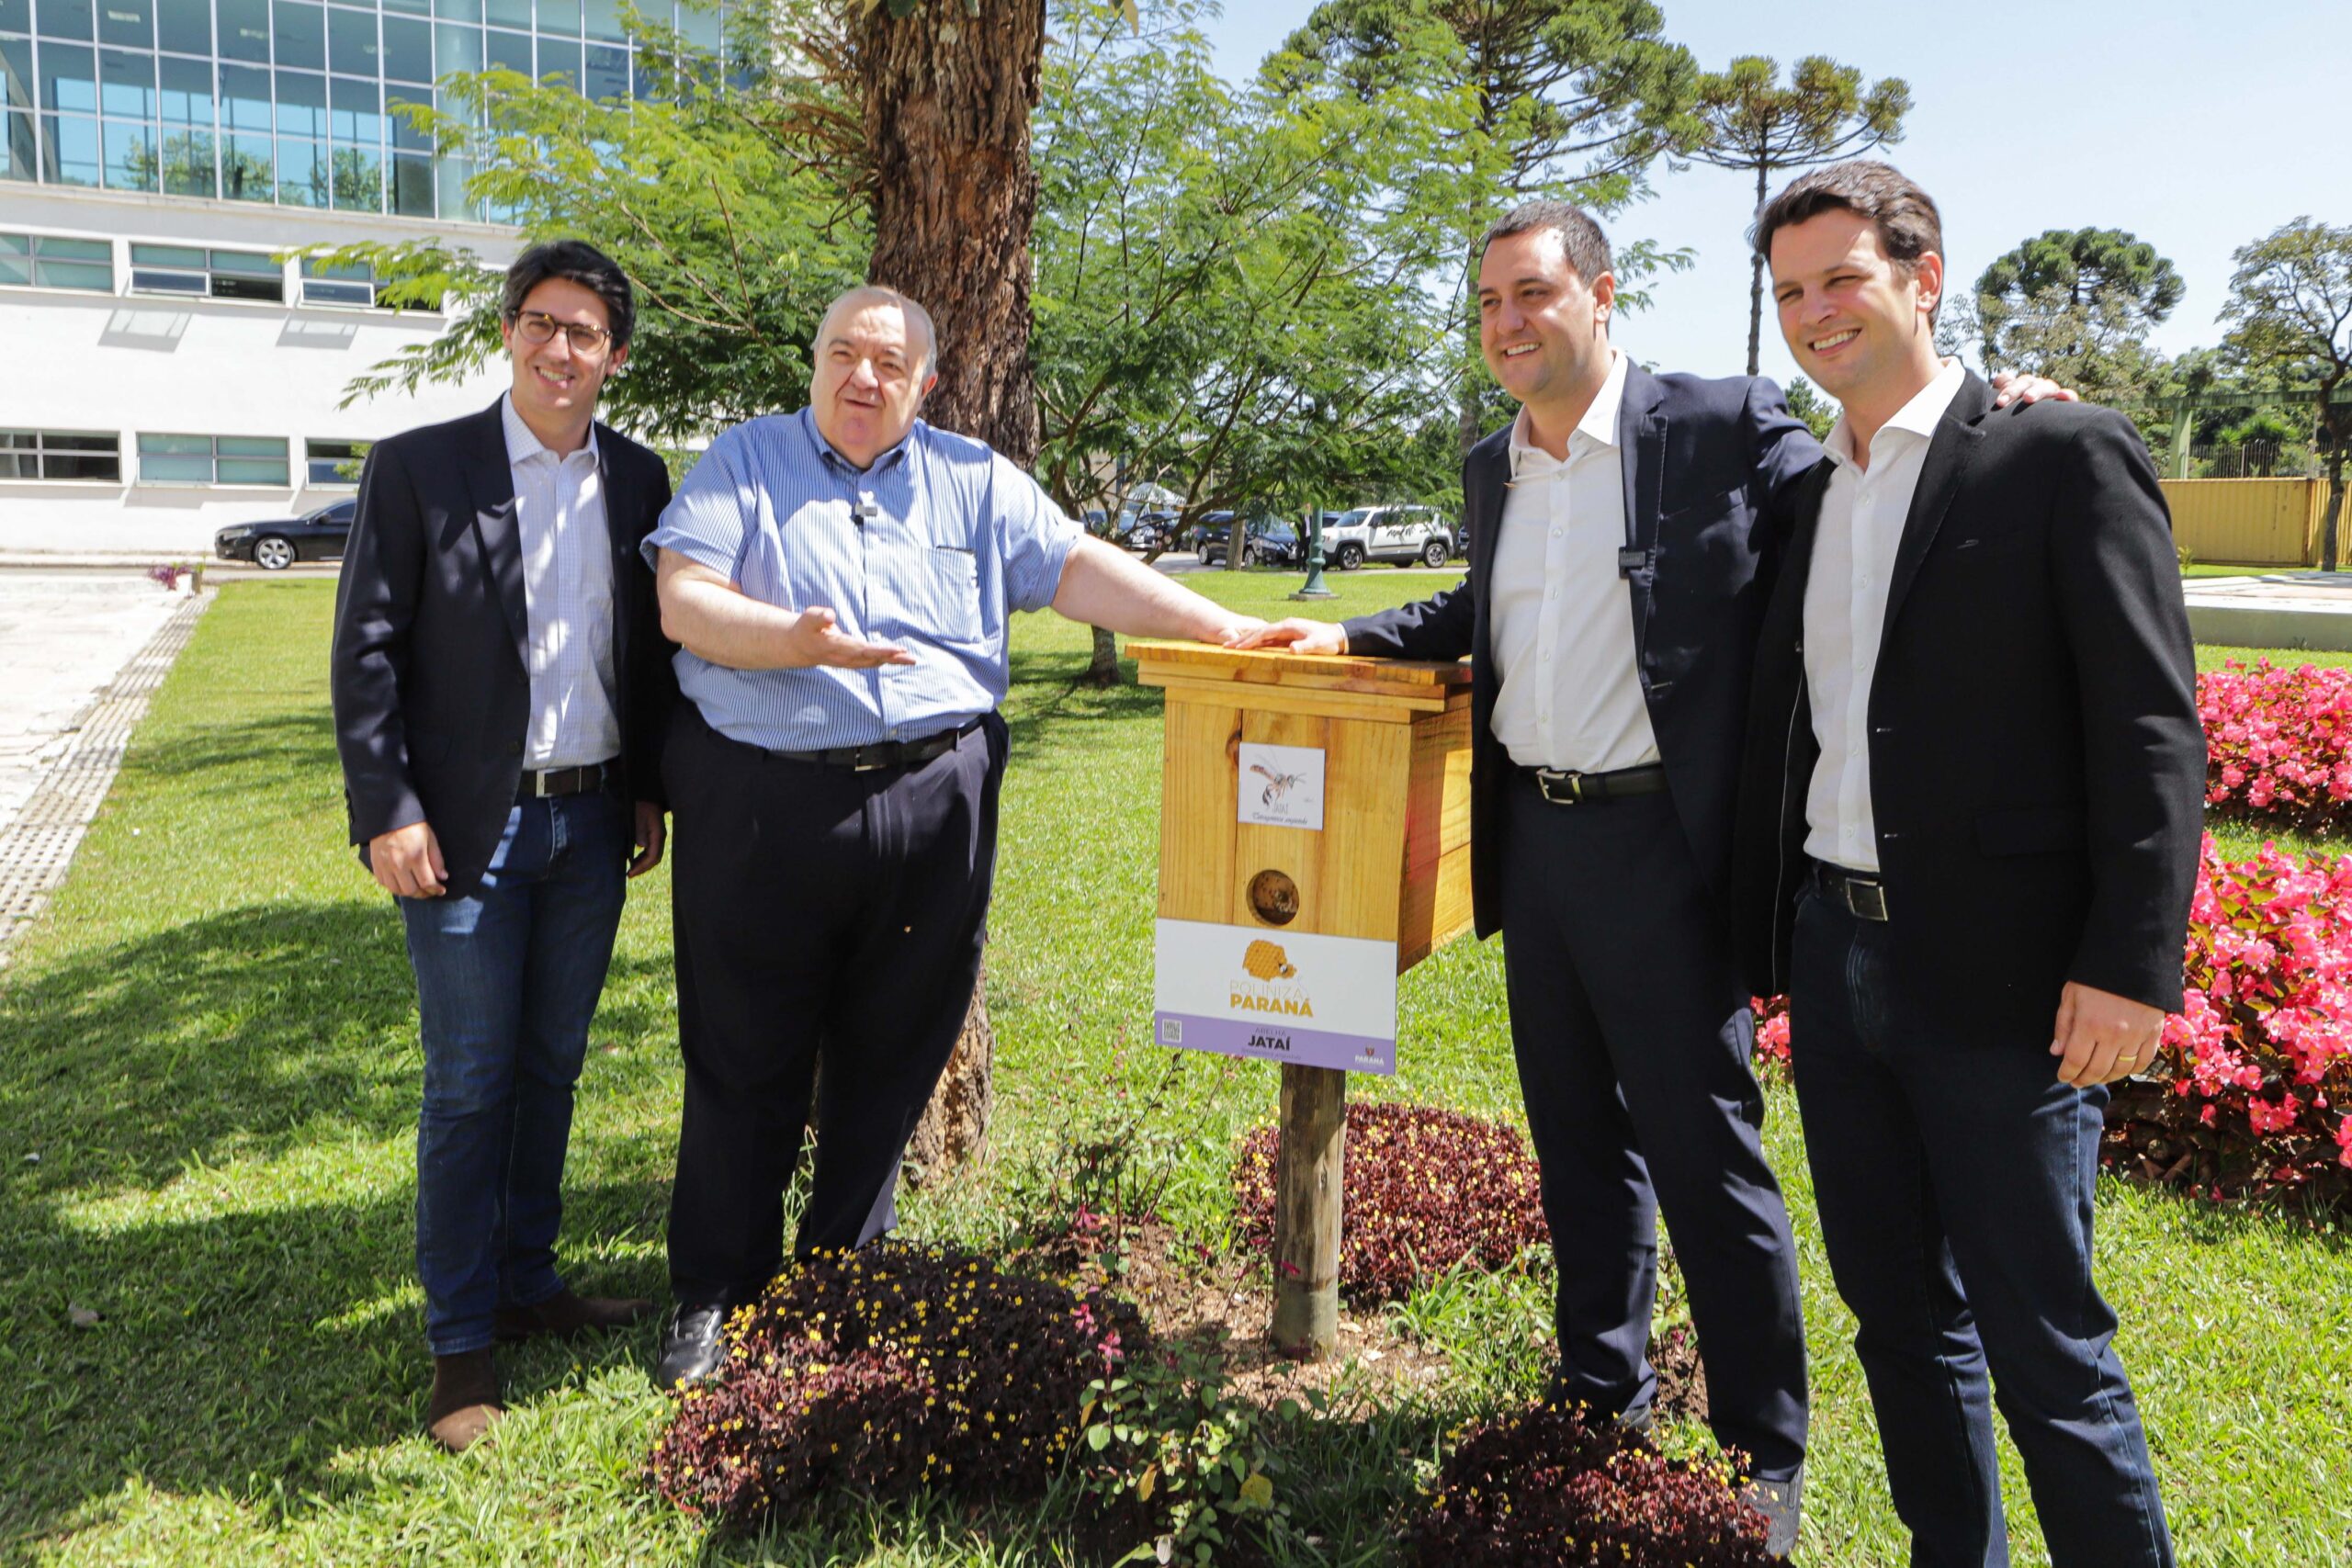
(2197, 125)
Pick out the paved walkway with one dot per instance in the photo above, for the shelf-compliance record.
(2279, 609)
(79, 654)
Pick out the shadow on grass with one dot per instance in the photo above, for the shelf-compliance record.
(248, 1032)
(238, 1351)
(238, 1354)
(1049, 696)
(290, 743)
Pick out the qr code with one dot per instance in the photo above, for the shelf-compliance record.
(1171, 1032)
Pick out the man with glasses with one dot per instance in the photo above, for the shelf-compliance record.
(501, 688)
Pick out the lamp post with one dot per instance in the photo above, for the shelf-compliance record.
(1313, 587)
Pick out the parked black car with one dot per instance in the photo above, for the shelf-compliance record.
(1150, 530)
(277, 543)
(1265, 541)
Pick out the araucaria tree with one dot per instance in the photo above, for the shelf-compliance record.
(2077, 306)
(1824, 114)
(2290, 311)
(1574, 98)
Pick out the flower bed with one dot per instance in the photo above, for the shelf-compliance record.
(2252, 1090)
(1771, 1052)
(1542, 1488)
(2278, 743)
(876, 1372)
(1425, 1188)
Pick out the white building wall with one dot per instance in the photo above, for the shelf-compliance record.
(139, 365)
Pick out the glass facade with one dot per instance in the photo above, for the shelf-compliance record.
(294, 102)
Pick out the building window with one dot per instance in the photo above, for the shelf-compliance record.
(346, 286)
(59, 454)
(288, 101)
(217, 274)
(213, 461)
(334, 462)
(44, 261)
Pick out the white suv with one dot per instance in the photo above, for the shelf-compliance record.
(1401, 534)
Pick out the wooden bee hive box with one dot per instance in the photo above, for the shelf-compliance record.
(1314, 845)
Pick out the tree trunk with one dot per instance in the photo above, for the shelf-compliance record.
(954, 1125)
(947, 101)
(1755, 283)
(947, 98)
(1468, 409)
(1104, 669)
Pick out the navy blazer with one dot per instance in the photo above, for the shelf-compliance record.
(431, 684)
(1712, 472)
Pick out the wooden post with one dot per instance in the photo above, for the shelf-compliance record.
(1308, 1166)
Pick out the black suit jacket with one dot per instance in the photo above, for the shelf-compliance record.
(431, 697)
(2037, 767)
(1711, 471)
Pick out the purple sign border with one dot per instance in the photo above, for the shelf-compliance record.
(1307, 1047)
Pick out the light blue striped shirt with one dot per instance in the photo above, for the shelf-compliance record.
(954, 538)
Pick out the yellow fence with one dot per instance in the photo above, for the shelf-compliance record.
(2248, 522)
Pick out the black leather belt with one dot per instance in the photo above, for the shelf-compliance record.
(1568, 787)
(539, 784)
(1859, 894)
(882, 753)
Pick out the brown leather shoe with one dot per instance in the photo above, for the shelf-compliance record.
(465, 1400)
(564, 1315)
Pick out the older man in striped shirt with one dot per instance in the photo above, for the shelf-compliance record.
(840, 580)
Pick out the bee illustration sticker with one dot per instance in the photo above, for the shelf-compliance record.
(1281, 786)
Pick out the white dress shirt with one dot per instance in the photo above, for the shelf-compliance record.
(568, 597)
(1563, 619)
(1862, 513)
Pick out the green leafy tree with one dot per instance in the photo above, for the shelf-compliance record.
(1823, 114)
(733, 245)
(2077, 306)
(1819, 413)
(1573, 98)
(2290, 310)
(1227, 306)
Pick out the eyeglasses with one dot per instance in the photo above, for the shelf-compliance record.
(538, 327)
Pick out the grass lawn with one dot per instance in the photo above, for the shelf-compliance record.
(207, 1087)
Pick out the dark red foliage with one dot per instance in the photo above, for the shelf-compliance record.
(1543, 1490)
(897, 1366)
(1424, 1190)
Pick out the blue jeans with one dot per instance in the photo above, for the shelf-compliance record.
(1954, 1175)
(506, 981)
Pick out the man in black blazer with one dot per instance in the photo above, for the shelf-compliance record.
(1621, 541)
(501, 688)
(1968, 836)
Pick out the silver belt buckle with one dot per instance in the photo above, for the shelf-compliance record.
(1544, 778)
(1866, 900)
(538, 783)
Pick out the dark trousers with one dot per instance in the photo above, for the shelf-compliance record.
(1954, 1179)
(507, 979)
(819, 915)
(1633, 1034)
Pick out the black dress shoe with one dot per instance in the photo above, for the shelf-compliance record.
(691, 1345)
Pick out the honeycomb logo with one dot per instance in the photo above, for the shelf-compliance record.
(1266, 961)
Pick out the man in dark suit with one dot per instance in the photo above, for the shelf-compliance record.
(501, 688)
(1622, 535)
(1968, 837)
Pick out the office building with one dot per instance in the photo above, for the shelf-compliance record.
(166, 365)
